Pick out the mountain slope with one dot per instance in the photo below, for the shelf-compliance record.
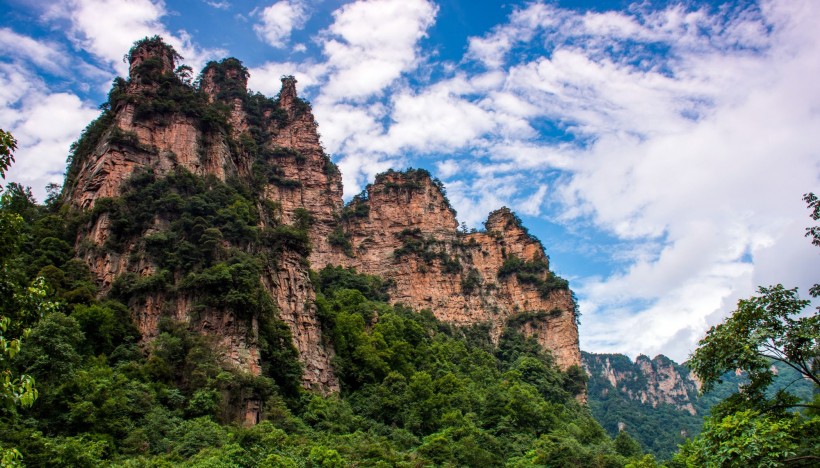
(657, 401)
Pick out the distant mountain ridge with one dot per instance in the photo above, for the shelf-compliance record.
(658, 401)
(651, 381)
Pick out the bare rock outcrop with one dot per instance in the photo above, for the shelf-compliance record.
(134, 137)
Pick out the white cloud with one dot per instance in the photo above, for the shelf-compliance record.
(279, 20)
(434, 120)
(45, 55)
(715, 187)
(15, 83)
(126, 21)
(267, 77)
(218, 5)
(48, 125)
(370, 44)
(447, 168)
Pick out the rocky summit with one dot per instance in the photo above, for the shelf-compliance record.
(162, 134)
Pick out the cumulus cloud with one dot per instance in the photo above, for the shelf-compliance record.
(44, 124)
(279, 20)
(45, 55)
(370, 44)
(366, 48)
(694, 158)
(126, 21)
(266, 78)
(710, 156)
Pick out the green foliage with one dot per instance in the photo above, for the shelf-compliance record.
(267, 172)
(232, 285)
(357, 208)
(203, 215)
(53, 348)
(813, 232)
(21, 304)
(229, 76)
(744, 438)
(7, 146)
(339, 238)
(626, 445)
(280, 360)
(535, 272)
(471, 282)
(155, 44)
(763, 328)
(402, 369)
(105, 326)
(427, 249)
(332, 278)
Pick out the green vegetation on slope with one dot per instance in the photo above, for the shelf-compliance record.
(415, 391)
(659, 430)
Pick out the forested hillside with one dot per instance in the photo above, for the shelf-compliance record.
(661, 426)
(415, 391)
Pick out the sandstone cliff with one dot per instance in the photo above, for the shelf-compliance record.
(211, 138)
(158, 126)
(404, 229)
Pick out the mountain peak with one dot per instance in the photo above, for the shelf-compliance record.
(151, 54)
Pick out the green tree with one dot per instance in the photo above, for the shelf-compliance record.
(16, 301)
(762, 329)
(626, 445)
(748, 428)
(745, 438)
(7, 146)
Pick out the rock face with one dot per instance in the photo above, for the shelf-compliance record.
(650, 381)
(303, 178)
(402, 228)
(405, 230)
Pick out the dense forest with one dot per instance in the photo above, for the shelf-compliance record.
(415, 391)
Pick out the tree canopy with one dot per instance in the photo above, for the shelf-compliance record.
(749, 427)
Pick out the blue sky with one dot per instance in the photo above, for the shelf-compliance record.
(659, 149)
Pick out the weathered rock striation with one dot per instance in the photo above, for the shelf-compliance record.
(402, 228)
(650, 381)
(300, 176)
